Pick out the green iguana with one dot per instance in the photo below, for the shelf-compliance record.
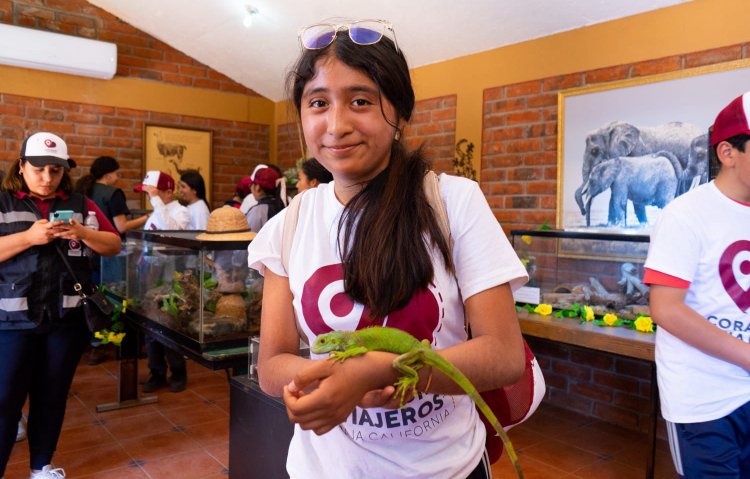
(413, 355)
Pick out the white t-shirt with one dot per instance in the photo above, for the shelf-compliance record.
(702, 237)
(198, 215)
(172, 216)
(435, 435)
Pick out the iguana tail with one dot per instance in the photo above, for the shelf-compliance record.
(444, 366)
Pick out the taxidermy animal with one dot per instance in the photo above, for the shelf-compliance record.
(696, 171)
(644, 180)
(413, 355)
(621, 139)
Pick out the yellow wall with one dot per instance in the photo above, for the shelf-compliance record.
(695, 26)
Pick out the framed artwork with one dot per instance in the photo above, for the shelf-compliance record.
(174, 150)
(625, 149)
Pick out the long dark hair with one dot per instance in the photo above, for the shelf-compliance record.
(14, 182)
(386, 259)
(194, 180)
(100, 167)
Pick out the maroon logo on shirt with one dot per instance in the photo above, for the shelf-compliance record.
(323, 295)
(734, 270)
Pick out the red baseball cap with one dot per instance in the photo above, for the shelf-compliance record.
(243, 187)
(160, 180)
(266, 178)
(732, 120)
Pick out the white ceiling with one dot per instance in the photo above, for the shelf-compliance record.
(428, 31)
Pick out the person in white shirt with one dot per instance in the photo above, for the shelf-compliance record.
(369, 250)
(249, 201)
(168, 214)
(193, 192)
(698, 268)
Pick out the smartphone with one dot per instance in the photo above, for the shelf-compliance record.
(61, 215)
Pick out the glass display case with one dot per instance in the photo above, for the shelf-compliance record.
(200, 292)
(112, 275)
(601, 270)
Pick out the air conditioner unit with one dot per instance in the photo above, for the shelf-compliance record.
(28, 48)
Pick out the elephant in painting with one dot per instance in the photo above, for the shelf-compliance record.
(644, 180)
(620, 139)
(696, 171)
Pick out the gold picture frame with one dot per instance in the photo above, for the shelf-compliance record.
(173, 150)
(691, 97)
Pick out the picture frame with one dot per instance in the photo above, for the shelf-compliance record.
(669, 112)
(173, 150)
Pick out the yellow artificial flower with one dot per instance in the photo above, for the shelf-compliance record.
(124, 305)
(525, 262)
(526, 239)
(644, 324)
(610, 319)
(98, 335)
(588, 313)
(543, 309)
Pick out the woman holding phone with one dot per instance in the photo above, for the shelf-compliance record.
(42, 329)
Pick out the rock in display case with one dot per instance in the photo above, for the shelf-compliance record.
(601, 270)
(201, 291)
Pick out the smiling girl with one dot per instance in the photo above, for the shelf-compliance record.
(368, 251)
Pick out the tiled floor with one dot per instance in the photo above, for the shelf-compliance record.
(185, 435)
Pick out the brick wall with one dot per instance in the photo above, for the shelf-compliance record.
(433, 124)
(92, 130)
(519, 178)
(519, 138)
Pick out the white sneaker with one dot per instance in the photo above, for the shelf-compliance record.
(21, 434)
(48, 472)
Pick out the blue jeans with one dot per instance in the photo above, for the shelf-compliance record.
(715, 449)
(40, 365)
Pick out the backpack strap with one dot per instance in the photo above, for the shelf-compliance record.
(290, 227)
(432, 192)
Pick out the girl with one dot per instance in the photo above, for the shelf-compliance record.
(42, 329)
(368, 251)
(193, 192)
(311, 174)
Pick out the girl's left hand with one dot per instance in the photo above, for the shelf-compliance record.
(70, 231)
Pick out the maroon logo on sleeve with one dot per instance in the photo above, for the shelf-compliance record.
(734, 270)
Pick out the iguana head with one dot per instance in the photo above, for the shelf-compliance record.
(333, 341)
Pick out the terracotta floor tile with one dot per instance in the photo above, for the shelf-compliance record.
(155, 446)
(100, 459)
(127, 472)
(196, 413)
(220, 452)
(83, 437)
(124, 428)
(560, 454)
(209, 433)
(213, 392)
(186, 465)
(532, 469)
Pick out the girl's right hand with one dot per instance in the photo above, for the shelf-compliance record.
(42, 231)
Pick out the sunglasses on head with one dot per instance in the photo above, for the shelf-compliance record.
(361, 32)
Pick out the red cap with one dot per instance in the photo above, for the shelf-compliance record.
(266, 178)
(160, 180)
(243, 187)
(732, 120)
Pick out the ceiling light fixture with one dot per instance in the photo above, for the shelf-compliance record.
(247, 22)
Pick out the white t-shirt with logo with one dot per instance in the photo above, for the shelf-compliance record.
(433, 436)
(703, 237)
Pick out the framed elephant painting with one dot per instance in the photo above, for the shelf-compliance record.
(626, 149)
